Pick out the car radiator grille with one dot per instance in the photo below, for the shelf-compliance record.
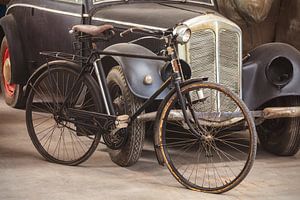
(221, 67)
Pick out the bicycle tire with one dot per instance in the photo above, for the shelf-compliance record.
(209, 141)
(44, 100)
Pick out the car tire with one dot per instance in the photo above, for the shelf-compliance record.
(131, 151)
(12, 93)
(281, 136)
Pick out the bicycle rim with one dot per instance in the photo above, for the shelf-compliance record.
(221, 154)
(56, 135)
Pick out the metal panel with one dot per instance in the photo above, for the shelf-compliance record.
(202, 54)
(214, 51)
(229, 60)
(229, 70)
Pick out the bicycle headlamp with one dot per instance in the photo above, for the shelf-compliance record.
(183, 33)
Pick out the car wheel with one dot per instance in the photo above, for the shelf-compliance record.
(13, 93)
(126, 103)
(281, 136)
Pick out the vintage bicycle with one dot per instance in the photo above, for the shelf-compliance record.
(202, 131)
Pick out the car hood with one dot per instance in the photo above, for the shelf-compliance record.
(156, 15)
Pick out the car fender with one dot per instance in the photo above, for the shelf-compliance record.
(136, 69)
(37, 73)
(19, 70)
(279, 61)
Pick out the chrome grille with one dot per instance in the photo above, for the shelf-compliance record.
(229, 64)
(202, 59)
(222, 66)
(202, 54)
(229, 60)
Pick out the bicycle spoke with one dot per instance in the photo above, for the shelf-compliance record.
(213, 156)
(54, 135)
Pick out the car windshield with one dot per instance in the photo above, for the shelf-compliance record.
(204, 2)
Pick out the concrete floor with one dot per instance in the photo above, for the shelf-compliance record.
(24, 174)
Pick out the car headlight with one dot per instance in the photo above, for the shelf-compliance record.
(183, 33)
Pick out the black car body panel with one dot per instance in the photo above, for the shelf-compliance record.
(13, 36)
(258, 87)
(50, 20)
(136, 69)
(169, 15)
(47, 31)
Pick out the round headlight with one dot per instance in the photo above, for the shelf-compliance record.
(183, 33)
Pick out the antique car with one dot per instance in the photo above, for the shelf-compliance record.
(266, 79)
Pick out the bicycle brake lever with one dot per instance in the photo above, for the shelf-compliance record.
(109, 33)
(71, 31)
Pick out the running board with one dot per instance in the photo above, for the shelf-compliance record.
(267, 113)
(281, 112)
(204, 118)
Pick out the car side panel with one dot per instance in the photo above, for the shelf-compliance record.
(48, 22)
(10, 29)
(257, 89)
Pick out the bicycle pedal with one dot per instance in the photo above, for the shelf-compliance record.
(123, 118)
(122, 121)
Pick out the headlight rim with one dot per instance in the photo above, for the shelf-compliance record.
(181, 31)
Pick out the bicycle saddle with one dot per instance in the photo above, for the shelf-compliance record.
(91, 29)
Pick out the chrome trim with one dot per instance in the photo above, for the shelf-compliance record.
(191, 1)
(101, 86)
(129, 24)
(105, 1)
(209, 18)
(43, 8)
(203, 3)
(215, 23)
(218, 64)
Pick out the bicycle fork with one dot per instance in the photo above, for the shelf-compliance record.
(178, 78)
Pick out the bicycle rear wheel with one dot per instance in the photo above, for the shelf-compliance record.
(214, 151)
(58, 136)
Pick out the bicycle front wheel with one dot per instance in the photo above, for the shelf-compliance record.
(213, 149)
(57, 135)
